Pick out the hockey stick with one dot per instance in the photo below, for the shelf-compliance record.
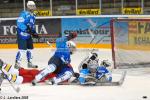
(93, 25)
(1, 80)
(49, 44)
(17, 89)
(98, 42)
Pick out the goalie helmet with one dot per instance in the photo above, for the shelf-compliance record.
(93, 62)
(72, 46)
(31, 5)
(105, 63)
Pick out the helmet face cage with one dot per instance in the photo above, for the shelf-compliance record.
(71, 46)
(92, 65)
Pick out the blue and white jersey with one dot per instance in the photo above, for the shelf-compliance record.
(101, 70)
(63, 51)
(24, 20)
(83, 74)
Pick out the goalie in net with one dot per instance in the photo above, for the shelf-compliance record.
(91, 72)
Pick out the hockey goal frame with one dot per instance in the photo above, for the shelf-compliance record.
(113, 32)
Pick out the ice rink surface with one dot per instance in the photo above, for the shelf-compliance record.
(135, 86)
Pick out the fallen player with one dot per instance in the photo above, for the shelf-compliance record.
(20, 75)
(59, 68)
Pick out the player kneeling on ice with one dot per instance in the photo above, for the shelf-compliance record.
(59, 63)
(91, 72)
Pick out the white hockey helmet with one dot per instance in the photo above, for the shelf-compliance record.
(31, 5)
(72, 46)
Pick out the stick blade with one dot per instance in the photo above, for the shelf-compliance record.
(17, 89)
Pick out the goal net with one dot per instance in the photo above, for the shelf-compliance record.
(131, 42)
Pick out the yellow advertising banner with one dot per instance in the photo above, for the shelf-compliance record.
(88, 12)
(138, 36)
(139, 33)
(42, 12)
(131, 11)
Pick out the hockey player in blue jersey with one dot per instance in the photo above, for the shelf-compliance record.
(59, 63)
(25, 32)
(91, 72)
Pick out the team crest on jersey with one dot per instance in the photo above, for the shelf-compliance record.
(21, 19)
(24, 34)
(31, 21)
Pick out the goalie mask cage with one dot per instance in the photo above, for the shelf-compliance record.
(130, 42)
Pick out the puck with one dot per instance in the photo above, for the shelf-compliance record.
(36, 66)
(144, 97)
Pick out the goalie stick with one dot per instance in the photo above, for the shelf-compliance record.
(117, 83)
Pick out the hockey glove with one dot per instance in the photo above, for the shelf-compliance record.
(76, 74)
(29, 30)
(35, 35)
(72, 35)
(32, 32)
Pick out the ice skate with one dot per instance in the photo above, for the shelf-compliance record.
(49, 82)
(17, 65)
(34, 82)
(30, 65)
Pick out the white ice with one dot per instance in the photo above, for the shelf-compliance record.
(135, 86)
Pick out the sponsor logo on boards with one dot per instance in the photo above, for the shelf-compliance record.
(42, 12)
(88, 12)
(131, 11)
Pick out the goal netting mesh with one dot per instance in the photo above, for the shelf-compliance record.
(131, 42)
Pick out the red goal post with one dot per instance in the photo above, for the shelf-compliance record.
(130, 42)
